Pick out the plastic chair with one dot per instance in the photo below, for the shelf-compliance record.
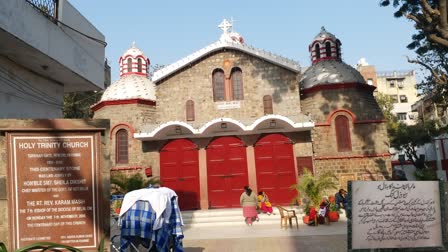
(287, 216)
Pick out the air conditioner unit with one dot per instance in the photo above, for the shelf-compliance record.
(400, 84)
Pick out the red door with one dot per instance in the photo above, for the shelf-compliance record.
(274, 160)
(179, 170)
(226, 172)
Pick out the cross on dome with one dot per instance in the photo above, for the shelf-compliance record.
(133, 44)
(225, 26)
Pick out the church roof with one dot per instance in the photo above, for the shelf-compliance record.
(228, 40)
(130, 87)
(330, 72)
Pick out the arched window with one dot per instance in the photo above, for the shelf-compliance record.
(190, 110)
(317, 49)
(267, 105)
(218, 85)
(343, 133)
(121, 147)
(139, 65)
(328, 49)
(338, 48)
(129, 65)
(237, 83)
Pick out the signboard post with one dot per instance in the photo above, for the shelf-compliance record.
(396, 214)
(54, 181)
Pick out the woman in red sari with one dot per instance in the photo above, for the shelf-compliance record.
(248, 201)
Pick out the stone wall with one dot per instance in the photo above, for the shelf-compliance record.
(131, 117)
(357, 100)
(259, 78)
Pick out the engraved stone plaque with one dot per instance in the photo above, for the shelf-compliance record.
(396, 214)
(54, 188)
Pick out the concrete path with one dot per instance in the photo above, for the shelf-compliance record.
(267, 238)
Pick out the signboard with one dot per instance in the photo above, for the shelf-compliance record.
(228, 105)
(395, 214)
(54, 187)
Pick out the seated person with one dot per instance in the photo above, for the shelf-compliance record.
(312, 217)
(341, 201)
(263, 203)
(324, 210)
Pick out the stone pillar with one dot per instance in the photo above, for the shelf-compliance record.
(251, 170)
(203, 179)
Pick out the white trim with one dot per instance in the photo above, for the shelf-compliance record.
(245, 129)
(221, 44)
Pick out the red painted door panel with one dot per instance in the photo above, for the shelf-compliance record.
(179, 170)
(274, 161)
(226, 172)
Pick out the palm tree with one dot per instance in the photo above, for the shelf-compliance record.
(122, 183)
(314, 187)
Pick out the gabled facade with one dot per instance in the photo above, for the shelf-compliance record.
(231, 115)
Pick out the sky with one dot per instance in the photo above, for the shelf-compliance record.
(168, 30)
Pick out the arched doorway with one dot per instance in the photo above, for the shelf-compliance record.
(274, 161)
(226, 171)
(179, 170)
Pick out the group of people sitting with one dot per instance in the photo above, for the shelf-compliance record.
(252, 204)
(324, 208)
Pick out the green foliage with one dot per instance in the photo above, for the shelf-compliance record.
(386, 105)
(122, 183)
(333, 207)
(430, 42)
(77, 104)
(408, 137)
(425, 174)
(314, 187)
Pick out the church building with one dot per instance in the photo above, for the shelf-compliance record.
(230, 115)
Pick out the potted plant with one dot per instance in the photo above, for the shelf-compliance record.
(333, 215)
(313, 187)
(122, 183)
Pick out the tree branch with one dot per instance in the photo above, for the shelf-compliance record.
(437, 39)
(438, 79)
(443, 15)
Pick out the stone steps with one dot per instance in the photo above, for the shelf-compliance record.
(228, 217)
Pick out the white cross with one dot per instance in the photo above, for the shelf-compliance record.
(225, 26)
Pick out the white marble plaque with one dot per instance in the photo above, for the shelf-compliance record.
(396, 214)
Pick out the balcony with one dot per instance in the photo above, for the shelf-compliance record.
(52, 39)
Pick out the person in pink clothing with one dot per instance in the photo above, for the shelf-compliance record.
(249, 201)
(263, 203)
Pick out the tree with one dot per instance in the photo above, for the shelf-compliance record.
(430, 19)
(387, 105)
(408, 138)
(77, 104)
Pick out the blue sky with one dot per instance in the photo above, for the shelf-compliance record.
(170, 30)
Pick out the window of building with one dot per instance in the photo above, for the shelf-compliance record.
(129, 65)
(370, 81)
(139, 65)
(400, 83)
(218, 85)
(392, 83)
(394, 98)
(317, 49)
(403, 99)
(190, 110)
(121, 152)
(401, 116)
(237, 83)
(338, 48)
(343, 133)
(328, 49)
(267, 105)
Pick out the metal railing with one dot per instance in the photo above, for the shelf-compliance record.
(49, 8)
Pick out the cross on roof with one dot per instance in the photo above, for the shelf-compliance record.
(225, 26)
